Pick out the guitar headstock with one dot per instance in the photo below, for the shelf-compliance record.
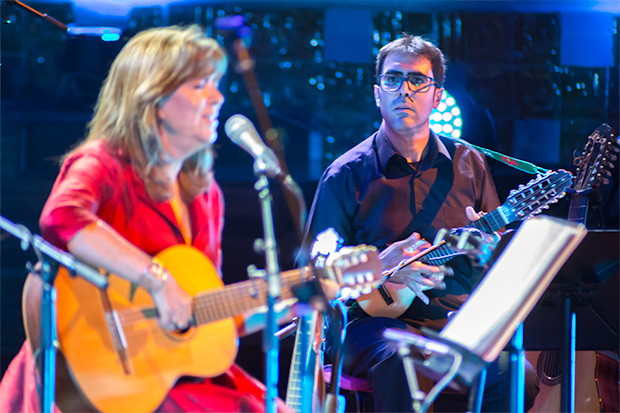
(530, 199)
(357, 270)
(597, 157)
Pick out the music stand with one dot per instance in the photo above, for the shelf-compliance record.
(572, 296)
(487, 321)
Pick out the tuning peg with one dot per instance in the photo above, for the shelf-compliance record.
(346, 292)
(342, 262)
(366, 290)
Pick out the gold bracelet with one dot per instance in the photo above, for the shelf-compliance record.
(153, 276)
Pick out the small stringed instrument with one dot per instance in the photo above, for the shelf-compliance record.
(392, 300)
(596, 385)
(300, 385)
(304, 392)
(119, 357)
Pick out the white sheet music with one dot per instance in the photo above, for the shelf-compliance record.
(511, 288)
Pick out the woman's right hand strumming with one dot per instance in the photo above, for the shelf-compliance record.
(174, 305)
(100, 245)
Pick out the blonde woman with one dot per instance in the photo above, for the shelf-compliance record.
(140, 182)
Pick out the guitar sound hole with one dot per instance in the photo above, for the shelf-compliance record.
(549, 367)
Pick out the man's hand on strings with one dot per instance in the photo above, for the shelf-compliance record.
(472, 215)
(417, 276)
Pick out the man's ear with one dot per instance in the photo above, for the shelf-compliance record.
(437, 97)
(377, 95)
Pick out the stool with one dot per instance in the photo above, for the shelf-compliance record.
(358, 387)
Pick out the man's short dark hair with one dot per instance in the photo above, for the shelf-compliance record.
(415, 46)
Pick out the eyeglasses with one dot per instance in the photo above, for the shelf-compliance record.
(417, 83)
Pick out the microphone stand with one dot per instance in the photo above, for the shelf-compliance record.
(271, 343)
(48, 271)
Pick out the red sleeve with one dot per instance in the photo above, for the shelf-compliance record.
(84, 183)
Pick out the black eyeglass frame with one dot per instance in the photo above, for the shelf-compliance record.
(423, 89)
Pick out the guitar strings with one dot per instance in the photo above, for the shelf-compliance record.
(214, 305)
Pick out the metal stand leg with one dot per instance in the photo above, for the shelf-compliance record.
(271, 344)
(47, 345)
(412, 380)
(517, 372)
(567, 402)
(476, 392)
(46, 353)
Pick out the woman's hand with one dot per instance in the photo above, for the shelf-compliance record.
(174, 305)
(100, 245)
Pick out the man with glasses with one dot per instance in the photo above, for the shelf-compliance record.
(402, 181)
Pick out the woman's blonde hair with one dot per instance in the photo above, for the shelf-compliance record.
(150, 67)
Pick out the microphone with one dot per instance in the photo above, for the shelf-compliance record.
(241, 131)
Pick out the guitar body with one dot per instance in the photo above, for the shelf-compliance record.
(590, 374)
(156, 358)
(121, 360)
(374, 305)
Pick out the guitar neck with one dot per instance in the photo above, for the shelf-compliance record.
(295, 389)
(578, 208)
(493, 221)
(489, 223)
(244, 296)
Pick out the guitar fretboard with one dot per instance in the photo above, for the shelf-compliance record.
(488, 223)
(297, 373)
(245, 296)
(578, 209)
(242, 297)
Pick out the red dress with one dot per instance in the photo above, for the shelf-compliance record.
(98, 182)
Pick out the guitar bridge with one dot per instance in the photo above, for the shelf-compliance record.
(116, 332)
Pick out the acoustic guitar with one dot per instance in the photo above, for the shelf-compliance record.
(118, 356)
(392, 300)
(596, 373)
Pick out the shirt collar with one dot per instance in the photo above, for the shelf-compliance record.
(386, 151)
